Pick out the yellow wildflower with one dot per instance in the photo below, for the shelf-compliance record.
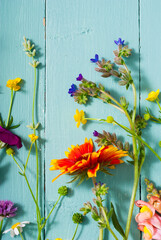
(109, 119)
(13, 84)
(58, 239)
(33, 137)
(79, 117)
(152, 96)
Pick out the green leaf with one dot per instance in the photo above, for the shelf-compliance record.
(21, 173)
(10, 122)
(131, 162)
(15, 126)
(109, 215)
(1, 122)
(95, 217)
(115, 222)
(105, 171)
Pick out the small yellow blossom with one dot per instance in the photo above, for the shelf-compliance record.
(58, 239)
(79, 117)
(13, 84)
(152, 96)
(33, 137)
(109, 119)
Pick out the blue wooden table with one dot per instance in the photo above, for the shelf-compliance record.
(74, 31)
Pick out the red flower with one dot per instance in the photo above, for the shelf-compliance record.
(82, 161)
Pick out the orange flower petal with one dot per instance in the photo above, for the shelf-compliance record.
(93, 172)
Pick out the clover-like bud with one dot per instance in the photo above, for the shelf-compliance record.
(146, 116)
(109, 119)
(77, 218)
(10, 151)
(63, 190)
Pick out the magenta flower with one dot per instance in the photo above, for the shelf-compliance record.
(11, 139)
(95, 133)
(80, 77)
(7, 209)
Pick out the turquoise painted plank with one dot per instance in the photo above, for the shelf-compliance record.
(150, 79)
(75, 31)
(19, 18)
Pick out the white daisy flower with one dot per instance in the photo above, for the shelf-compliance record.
(16, 229)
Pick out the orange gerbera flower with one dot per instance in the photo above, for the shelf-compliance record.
(83, 162)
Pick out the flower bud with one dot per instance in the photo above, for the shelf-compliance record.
(147, 116)
(10, 151)
(109, 119)
(127, 146)
(63, 190)
(150, 187)
(77, 218)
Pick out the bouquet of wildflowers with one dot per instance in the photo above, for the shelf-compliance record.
(83, 162)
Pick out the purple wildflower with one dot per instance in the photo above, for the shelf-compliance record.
(80, 77)
(7, 209)
(99, 183)
(95, 133)
(72, 89)
(119, 42)
(96, 59)
(11, 139)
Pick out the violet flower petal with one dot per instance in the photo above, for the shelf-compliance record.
(11, 139)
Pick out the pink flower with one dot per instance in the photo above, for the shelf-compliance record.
(147, 213)
(148, 220)
(150, 232)
(156, 203)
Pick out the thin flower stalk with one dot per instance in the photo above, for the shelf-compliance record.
(75, 231)
(10, 108)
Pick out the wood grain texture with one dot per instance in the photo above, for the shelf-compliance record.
(19, 18)
(150, 80)
(75, 31)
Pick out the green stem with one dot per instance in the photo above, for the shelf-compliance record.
(51, 212)
(39, 234)
(140, 139)
(17, 163)
(36, 203)
(21, 235)
(158, 104)
(101, 234)
(75, 231)
(101, 229)
(28, 156)
(1, 224)
(10, 108)
(34, 95)
(36, 149)
(150, 148)
(135, 103)
(108, 224)
(157, 120)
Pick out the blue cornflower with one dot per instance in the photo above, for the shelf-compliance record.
(80, 77)
(119, 42)
(95, 133)
(72, 89)
(96, 59)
